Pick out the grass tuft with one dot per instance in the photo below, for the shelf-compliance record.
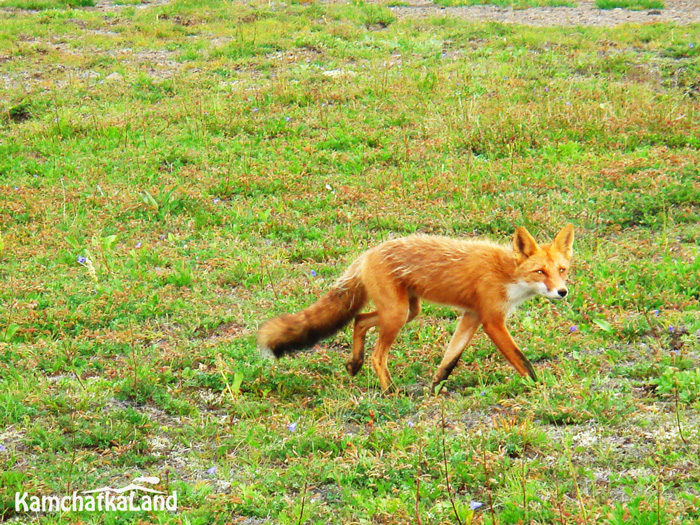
(41, 5)
(629, 4)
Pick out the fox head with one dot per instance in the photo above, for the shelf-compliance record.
(542, 269)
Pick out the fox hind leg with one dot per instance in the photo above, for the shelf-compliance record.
(393, 305)
(389, 328)
(413, 308)
(363, 322)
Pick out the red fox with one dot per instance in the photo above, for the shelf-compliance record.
(484, 280)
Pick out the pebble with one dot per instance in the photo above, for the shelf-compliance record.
(114, 77)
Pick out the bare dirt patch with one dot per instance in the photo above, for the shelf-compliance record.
(586, 13)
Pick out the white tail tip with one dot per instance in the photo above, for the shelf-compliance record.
(266, 353)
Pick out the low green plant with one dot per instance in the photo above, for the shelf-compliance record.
(685, 384)
(629, 4)
(40, 5)
(637, 510)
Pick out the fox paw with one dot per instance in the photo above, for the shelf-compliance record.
(353, 367)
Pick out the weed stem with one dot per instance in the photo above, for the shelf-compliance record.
(444, 458)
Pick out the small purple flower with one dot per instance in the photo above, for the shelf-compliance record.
(81, 259)
(313, 273)
(691, 46)
(217, 201)
(410, 423)
(292, 427)
(475, 505)
(287, 118)
(138, 244)
(573, 328)
(671, 329)
(546, 88)
(255, 109)
(483, 393)
(16, 188)
(568, 103)
(211, 471)
(656, 312)
(2, 448)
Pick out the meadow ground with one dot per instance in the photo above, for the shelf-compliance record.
(598, 13)
(173, 174)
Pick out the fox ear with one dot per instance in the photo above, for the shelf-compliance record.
(564, 241)
(524, 245)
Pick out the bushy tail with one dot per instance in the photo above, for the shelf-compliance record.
(291, 332)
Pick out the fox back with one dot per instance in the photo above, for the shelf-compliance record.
(477, 275)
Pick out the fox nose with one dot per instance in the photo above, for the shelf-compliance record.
(562, 292)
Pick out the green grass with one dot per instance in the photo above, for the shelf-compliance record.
(515, 4)
(174, 175)
(629, 4)
(38, 5)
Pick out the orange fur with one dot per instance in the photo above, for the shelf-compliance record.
(485, 280)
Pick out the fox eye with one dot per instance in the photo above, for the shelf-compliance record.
(562, 270)
(541, 272)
